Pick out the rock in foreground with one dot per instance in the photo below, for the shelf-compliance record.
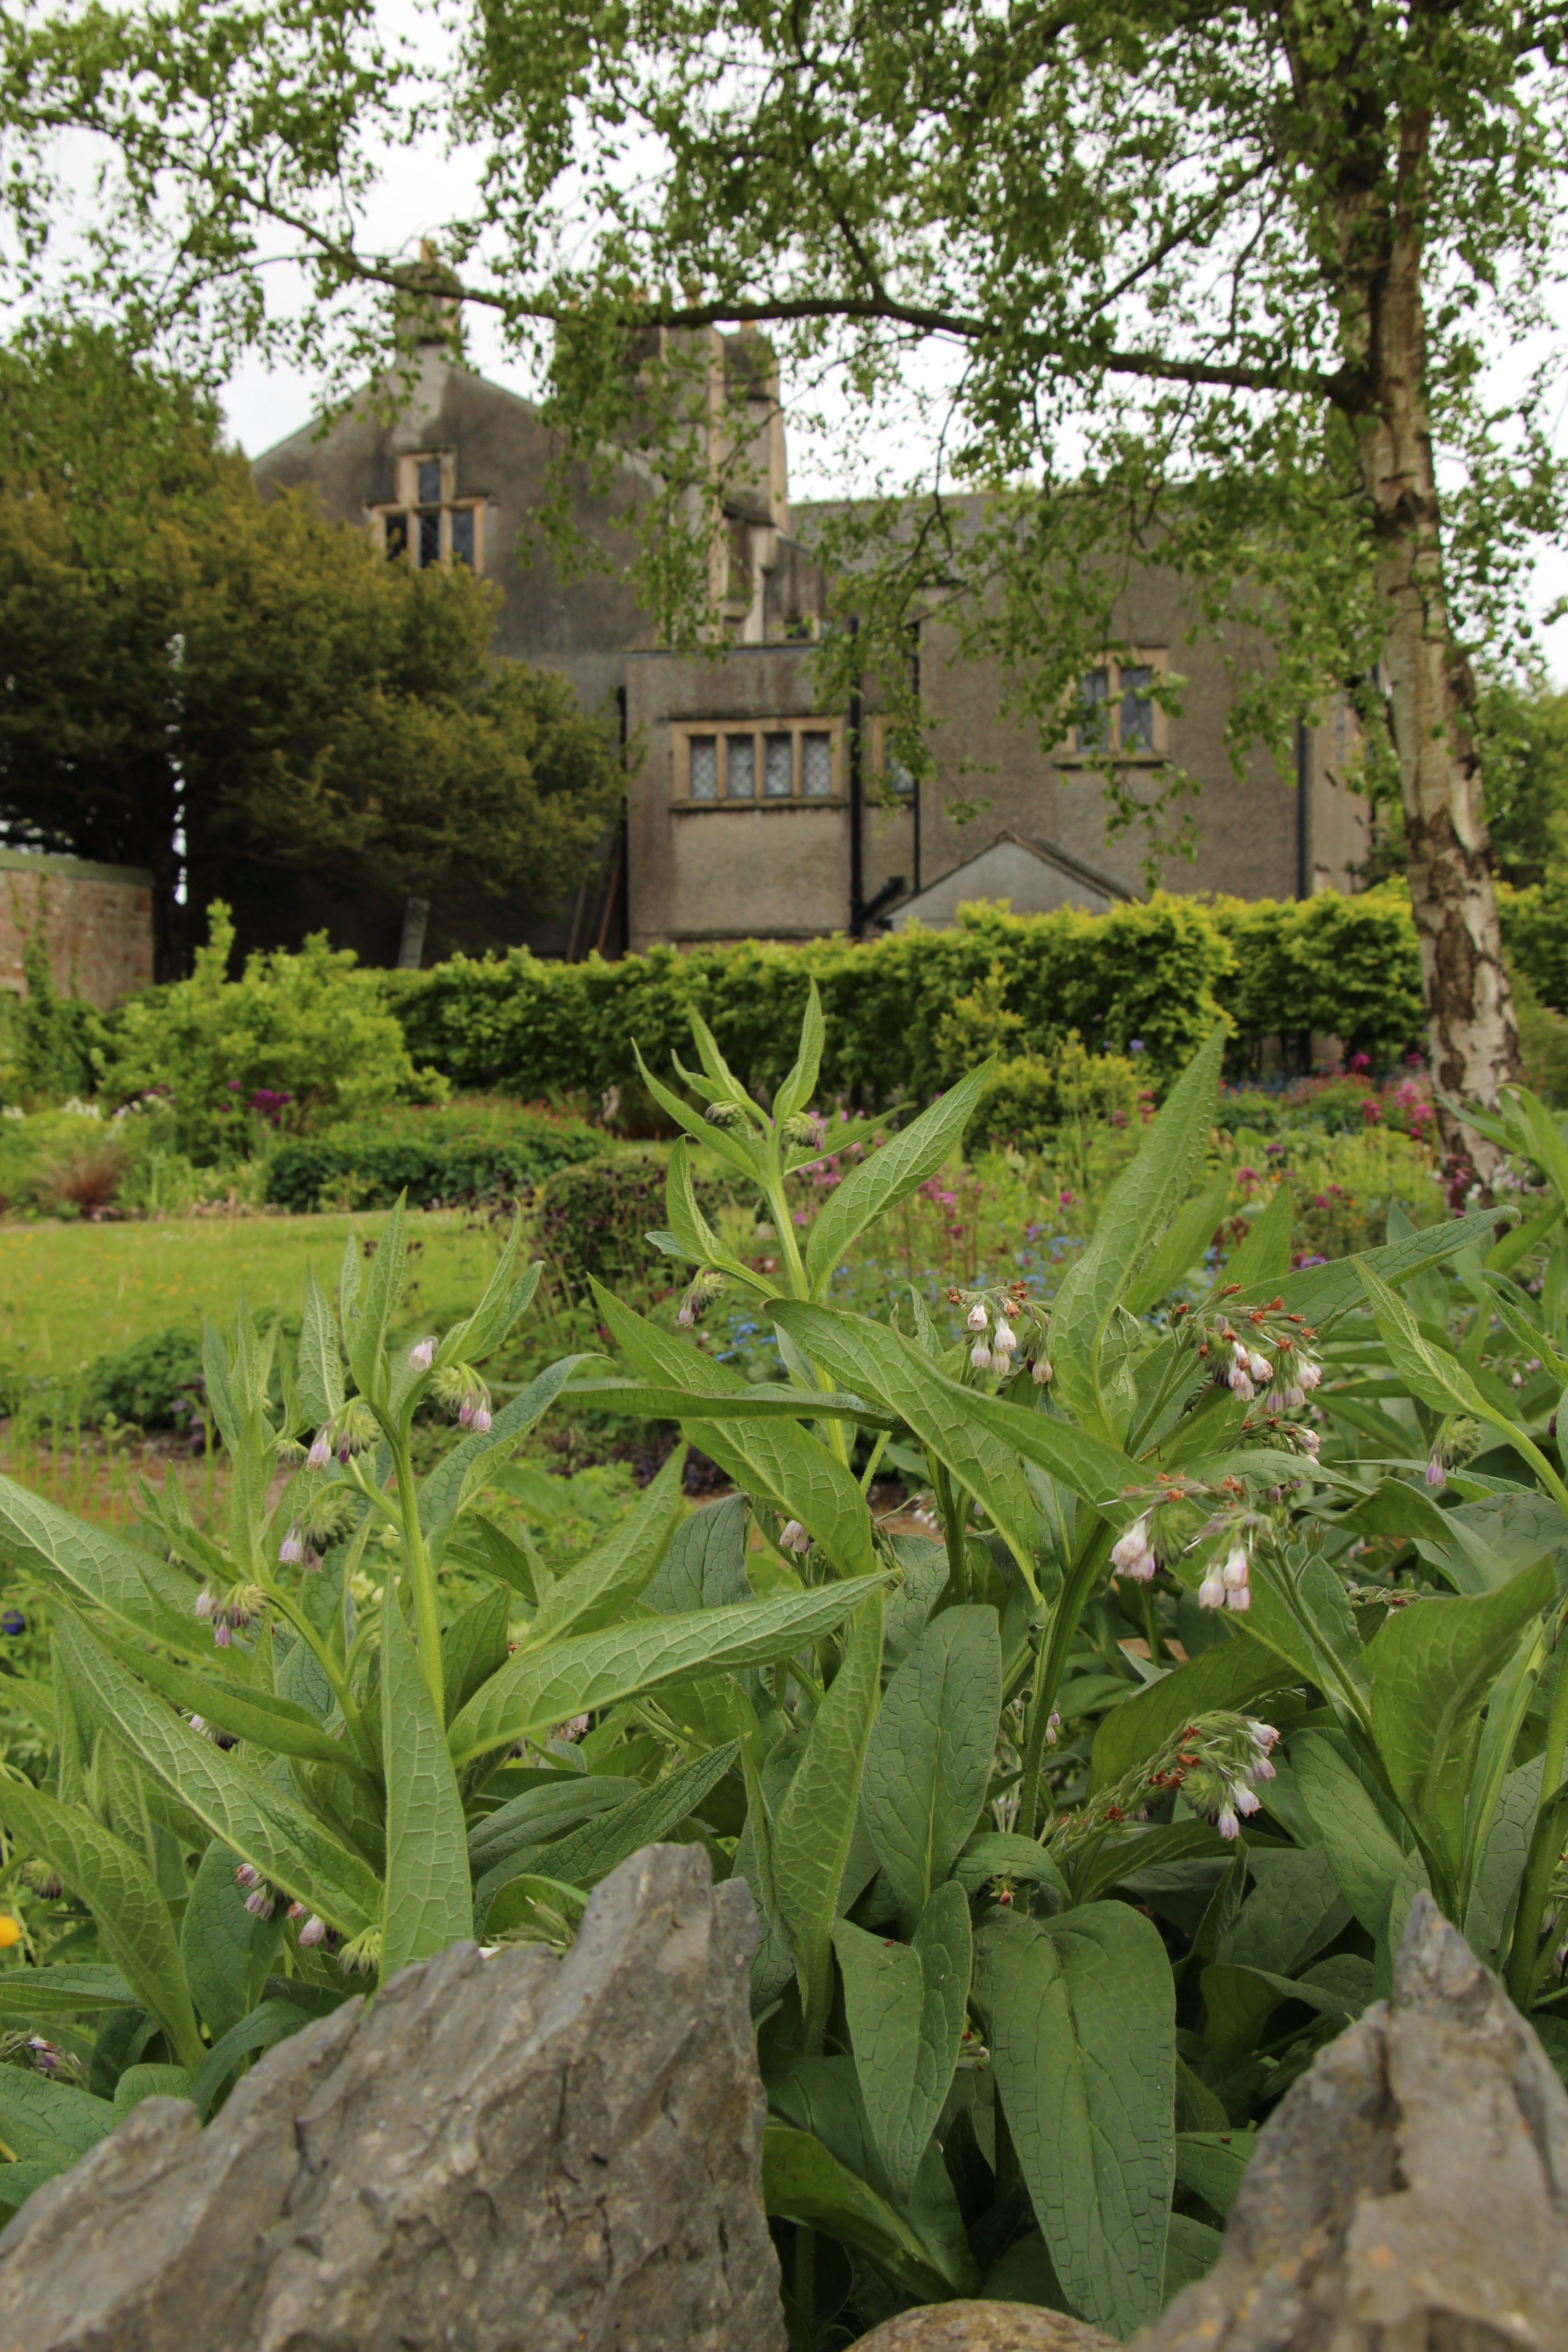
(1411, 2192)
(984, 2327)
(514, 2155)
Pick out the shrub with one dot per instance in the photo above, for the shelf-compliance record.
(152, 1382)
(1535, 938)
(297, 1042)
(52, 1036)
(1542, 1044)
(1030, 1099)
(596, 1218)
(462, 1153)
(1160, 972)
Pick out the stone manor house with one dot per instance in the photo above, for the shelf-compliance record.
(752, 813)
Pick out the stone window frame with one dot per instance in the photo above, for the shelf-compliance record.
(685, 731)
(882, 727)
(1152, 658)
(407, 503)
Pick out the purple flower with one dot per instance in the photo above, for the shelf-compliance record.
(1135, 1045)
(422, 1355)
(312, 1931)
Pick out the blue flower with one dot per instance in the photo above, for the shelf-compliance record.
(13, 1622)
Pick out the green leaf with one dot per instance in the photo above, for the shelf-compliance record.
(249, 1712)
(1138, 1206)
(775, 1459)
(699, 1244)
(131, 1918)
(471, 1340)
(90, 1564)
(1213, 2165)
(876, 1361)
(800, 1084)
(459, 1474)
(1363, 1853)
(1433, 1667)
(752, 1401)
(1241, 2000)
(1002, 1853)
(705, 1566)
(30, 2104)
(63, 1991)
(928, 1760)
(319, 1373)
(1133, 1850)
(803, 2182)
(225, 1950)
(1231, 1674)
(588, 1853)
(554, 1802)
(597, 1591)
(535, 1691)
(429, 1899)
(1192, 1230)
(1265, 1254)
(905, 2005)
(816, 1822)
(263, 1825)
(1080, 2017)
(1320, 1292)
(730, 1143)
(139, 2082)
(377, 1307)
(1192, 2250)
(887, 1177)
(1296, 1909)
(274, 2022)
(473, 1648)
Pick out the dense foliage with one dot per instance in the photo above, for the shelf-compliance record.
(1149, 978)
(1075, 1831)
(223, 689)
(459, 1153)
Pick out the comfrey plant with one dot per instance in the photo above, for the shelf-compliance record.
(1073, 1833)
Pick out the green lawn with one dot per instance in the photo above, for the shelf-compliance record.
(71, 1292)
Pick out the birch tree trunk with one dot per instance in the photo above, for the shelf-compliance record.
(1469, 1012)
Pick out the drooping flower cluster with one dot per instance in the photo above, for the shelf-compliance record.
(262, 1897)
(459, 1387)
(1216, 1762)
(1267, 1358)
(999, 1322)
(1134, 1554)
(229, 1612)
(1227, 1584)
(352, 1430)
(794, 1537)
(700, 1292)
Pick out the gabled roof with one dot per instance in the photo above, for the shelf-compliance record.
(1032, 876)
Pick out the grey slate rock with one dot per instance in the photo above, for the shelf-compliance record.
(513, 2155)
(1410, 2194)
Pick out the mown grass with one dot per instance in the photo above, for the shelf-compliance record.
(71, 1292)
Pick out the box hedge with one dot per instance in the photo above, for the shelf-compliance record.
(1150, 979)
(457, 1152)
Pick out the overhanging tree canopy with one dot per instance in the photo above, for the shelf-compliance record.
(1207, 285)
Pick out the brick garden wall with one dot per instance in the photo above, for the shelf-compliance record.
(97, 920)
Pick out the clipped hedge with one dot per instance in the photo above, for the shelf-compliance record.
(1150, 978)
(464, 1152)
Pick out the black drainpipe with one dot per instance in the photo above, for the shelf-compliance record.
(915, 684)
(857, 864)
